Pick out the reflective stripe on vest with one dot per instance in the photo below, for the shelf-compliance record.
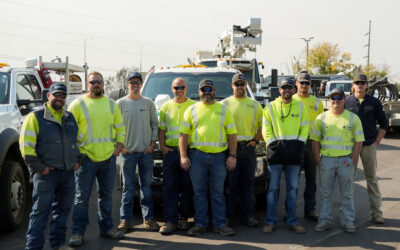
(29, 133)
(172, 137)
(335, 138)
(90, 138)
(316, 105)
(245, 137)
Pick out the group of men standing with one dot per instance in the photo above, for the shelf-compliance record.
(208, 155)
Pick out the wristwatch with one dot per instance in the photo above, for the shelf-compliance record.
(233, 155)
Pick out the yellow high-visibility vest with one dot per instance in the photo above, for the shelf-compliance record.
(100, 126)
(171, 114)
(285, 121)
(247, 114)
(208, 126)
(337, 133)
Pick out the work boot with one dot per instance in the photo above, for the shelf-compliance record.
(322, 226)
(350, 228)
(378, 219)
(168, 228)
(251, 221)
(224, 231)
(268, 228)
(63, 247)
(124, 226)
(151, 225)
(113, 234)
(298, 229)
(183, 224)
(76, 240)
(311, 215)
(196, 230)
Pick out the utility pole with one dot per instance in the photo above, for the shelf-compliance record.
(369, 43)
(84, 58)
(307, 41)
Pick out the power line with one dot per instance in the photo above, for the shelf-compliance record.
(103, 18)
(80, 46)
(96, 36)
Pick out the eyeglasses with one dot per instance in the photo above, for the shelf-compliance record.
(240, 84)
(60, 95)
(206, 89)
(358, 83)
(304, 83)
(179, 87)
(287, 87)
(137, 82)
(333, 98)
(96, 82)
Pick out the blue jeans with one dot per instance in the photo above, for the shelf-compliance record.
(146, 165)
(292, 184)
(310, 173)
(208, 172)
(53, 193)
(241, 180)
(342, 168)
(177, 189)
(104, 173)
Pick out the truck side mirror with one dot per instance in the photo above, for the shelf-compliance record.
(44, 95)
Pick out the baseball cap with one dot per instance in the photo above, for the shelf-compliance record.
(360, 78)
(286, 82)
(57, 87)
(304, 77)
(206, 82)
(134, 74)
(239, 77)
(337, 92)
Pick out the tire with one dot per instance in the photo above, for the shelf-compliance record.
(13, 196)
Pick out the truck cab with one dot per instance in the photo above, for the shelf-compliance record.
(21, 91)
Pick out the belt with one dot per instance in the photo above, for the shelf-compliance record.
(244, 142)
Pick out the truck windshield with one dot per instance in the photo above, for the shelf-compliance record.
(346, 87)
(160, 83)
(4, 88)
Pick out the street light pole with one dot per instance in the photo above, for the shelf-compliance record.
(307, 41)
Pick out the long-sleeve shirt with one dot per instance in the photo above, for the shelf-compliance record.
(140, 119)
(369, 111)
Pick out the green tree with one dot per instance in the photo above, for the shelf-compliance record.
(326, 58)
(371, 70)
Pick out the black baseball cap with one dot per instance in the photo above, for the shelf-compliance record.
(206, 83)
(360, 78)
(134, 74)
(337, 92)
(239, 77)
(304, 77)
(287, 82)
(57, 87)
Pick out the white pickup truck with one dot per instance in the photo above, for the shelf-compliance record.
(21, 91)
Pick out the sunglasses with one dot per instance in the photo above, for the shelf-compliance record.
(60, 95)
(96, 82)
(333, 98)
(240, 84)
(286, 87)
(179, 87)
(304, 83)
(358, 83)
(206, 89)
(137, 82)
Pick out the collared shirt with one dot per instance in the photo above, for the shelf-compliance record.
(370, 111)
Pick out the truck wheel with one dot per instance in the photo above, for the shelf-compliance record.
(13, 196)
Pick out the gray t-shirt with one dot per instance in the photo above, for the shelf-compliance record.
(141, 123)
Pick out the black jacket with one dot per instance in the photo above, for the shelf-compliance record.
(370, 111)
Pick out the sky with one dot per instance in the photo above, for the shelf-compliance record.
(128, 33)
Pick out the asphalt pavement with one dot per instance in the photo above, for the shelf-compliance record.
(368, 235)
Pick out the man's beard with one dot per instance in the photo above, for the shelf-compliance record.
(56, 105)
(207, 98)
(97, 92)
